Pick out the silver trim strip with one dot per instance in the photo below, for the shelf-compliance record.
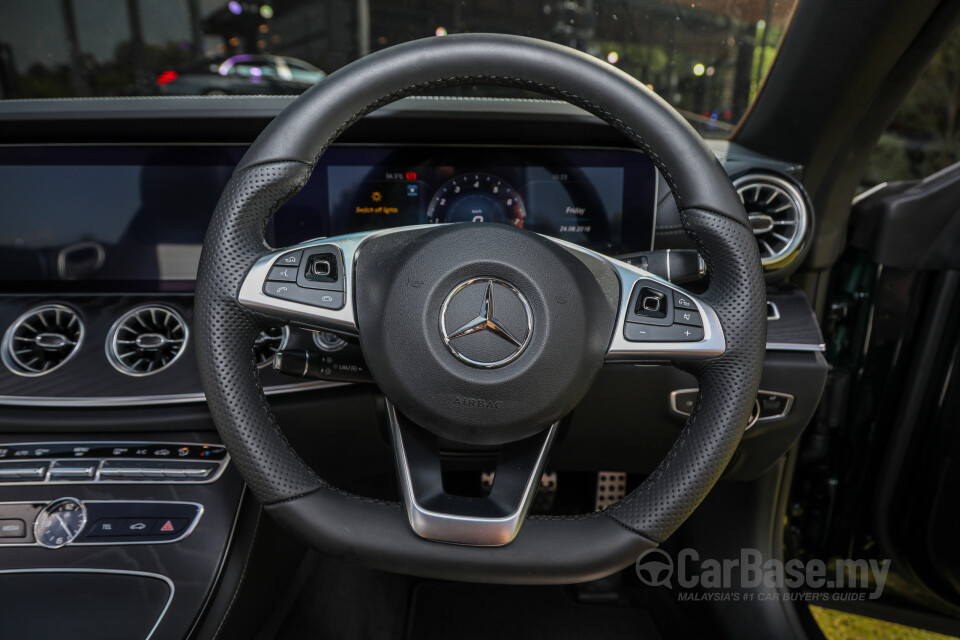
(869, 192)
(789, 346)
(459, 529)
(139, 401)
(144, 574)
(74, 543)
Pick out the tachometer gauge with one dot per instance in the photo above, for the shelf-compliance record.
(60, 522)
(477, 197)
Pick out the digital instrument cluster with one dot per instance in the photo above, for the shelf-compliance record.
(133, 218)
(603, 199)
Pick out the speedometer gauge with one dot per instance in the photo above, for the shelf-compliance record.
(477, 197)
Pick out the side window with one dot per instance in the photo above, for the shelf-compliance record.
(924, 135)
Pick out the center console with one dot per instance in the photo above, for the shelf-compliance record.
(144, 525)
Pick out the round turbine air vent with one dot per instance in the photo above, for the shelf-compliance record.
(42, 340)
(778, 215)
(146, 340)
(268, 343)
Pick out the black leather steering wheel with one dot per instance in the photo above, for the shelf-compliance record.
(481, 334)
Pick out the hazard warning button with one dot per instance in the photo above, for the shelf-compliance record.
(168, 526)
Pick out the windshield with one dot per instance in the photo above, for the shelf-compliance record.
(707, 58)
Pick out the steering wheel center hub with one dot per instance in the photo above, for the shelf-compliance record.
(497, 333)
(482, 333)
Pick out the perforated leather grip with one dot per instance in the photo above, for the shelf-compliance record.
(279, 164)
(728, 383)
(225, 332)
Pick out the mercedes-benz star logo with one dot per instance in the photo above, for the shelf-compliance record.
(509, 323)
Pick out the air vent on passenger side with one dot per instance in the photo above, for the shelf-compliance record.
(147, 340)
(267, 344)
(778, 215)
(42, 340)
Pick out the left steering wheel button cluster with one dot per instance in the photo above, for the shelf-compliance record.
(308, 276)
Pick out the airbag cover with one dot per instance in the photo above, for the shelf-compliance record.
(528, 366)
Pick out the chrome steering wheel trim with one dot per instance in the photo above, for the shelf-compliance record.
(343, 320)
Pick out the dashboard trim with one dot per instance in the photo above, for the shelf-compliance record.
(191, 398)
(789, 346)
(139, 401)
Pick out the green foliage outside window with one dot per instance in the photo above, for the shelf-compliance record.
(924, 136)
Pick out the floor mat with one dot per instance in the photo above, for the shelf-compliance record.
(468, 611)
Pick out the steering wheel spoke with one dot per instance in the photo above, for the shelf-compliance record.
(435, 514)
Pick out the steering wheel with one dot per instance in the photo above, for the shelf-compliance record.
(479, 333)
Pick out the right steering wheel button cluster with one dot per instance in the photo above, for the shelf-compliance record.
(311, 276)
(660, 314)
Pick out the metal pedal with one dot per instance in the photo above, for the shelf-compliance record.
(486, 481)
(611, 486)
(546, 494)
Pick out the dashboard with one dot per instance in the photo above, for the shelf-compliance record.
(133, 218)
(103, 418)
